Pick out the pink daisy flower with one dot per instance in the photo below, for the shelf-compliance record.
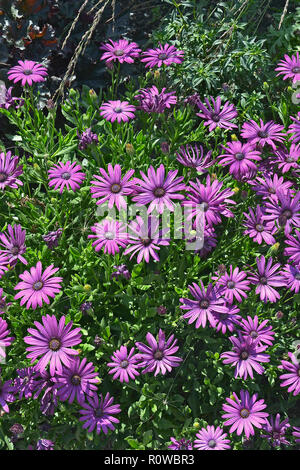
(259, 332)
(215, 116)
(257, 228)
(5, 340)
(162, 55)
(287, 159)
(28, 72)
(121, 51)
(292, 378)
(37, 286)
(13, 243)
(266, 279)
(239, 158)
(232, 285)
(124, 364)
(211, 438)
(295, 128)
(10, 171)
(263, 134)
(290, 67)
(66, 175)
(117, 110)
(110, 235)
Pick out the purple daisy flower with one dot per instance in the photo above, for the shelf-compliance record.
(296, 433)
(158, 190)
(244, 413)
(263, 134)
(239, 158)
(5, 340)
(287, 159)
(293, 249)
(211, 438)
(3, 303)
(182, 444)
(37, 286)
(121, 51)
(28, 72)
(291, 275)
(245, 356)
(227, 321)
(14, 244)
(145, 239)
(159, 357)
(9, 171)
(117, 110)
(295, 128)
(87, 138)
(76, 381)
(45, 385)
(110, 235)
(270, 187)
(232, 285)
(290, 67)
(4, 261)
(215, 116)
(153, 101)
(66, 175)
(193, 157)
(163, 55)
(52, 238)
(25, 382)
(276, 430)
(285, 211)
(44, 444)
(121, 271)
(7, 100)
(52, 341)
(208, 201)
(257, 228)
(266, 279)
(292, 378)
(6, 394)
(99, 414)
(112, 187)
(207, 304)
(259, 332)
(124, 365)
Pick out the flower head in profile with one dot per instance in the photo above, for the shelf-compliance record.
(52, 341)
(207, 303)
(258, 228)
(124, 364)
(13, 242)
(292, 378)
(289, 67)
(51, 238)
(5, 339)
(259, 332)
(293, 247)
(77, 380)
(163, 55)
(232, 285)
(112, 187)
(98, 414)
(117, 111)
(182, 444)
(215, 115)
(7, 100)
(4, 263)
(193, 156)
(27, 72)
(120, 51)
(158, 189)
(266, 279)
(158, 357)
(6, 394)
(86, 138)
(10, 171)
(244, 414)
(294, 128)
(291, 275)
(275, 431)
(145, 239)
(153, 101)
(240, 158)
(262, 134)
(110, 235)
(37, 286)
(211, 438)
(66, 175)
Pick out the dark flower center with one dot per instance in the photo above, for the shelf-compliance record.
(27, 72)
(239, 156)
(115, 188)
(254, 334)
(287, 213)
(159, 192)
(205, 206)
(263, 280)
(212, 443)
(215, 117)
(109, 235)
(230, 284)
(297, 276)
(124, 364)
(244, 413)
(204, 304)
(54, 344)
(299, 372)
(162, 56)
(118, 110)
(259, 227)
(37, 285)
(296, 70)
(158, 355)
(244, 355)
(76, 380)
(119, 52)
(146, 241)
(272, 190)
(66, 175)
(262, 134)
(99, 413)
(15, 250)
(3, 177)
(290, 159)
